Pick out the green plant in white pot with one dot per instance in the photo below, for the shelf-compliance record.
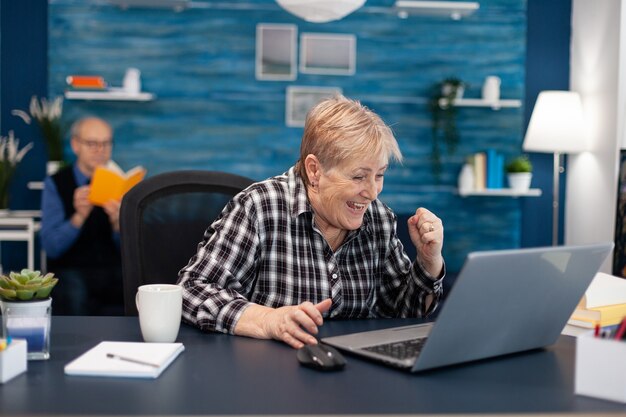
(26, 309)
(519, 172)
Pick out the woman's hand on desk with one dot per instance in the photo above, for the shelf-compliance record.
(293, 325)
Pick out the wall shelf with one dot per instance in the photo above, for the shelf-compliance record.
(110, 95)
(500, 192)
(478, 102)
(35, 185)
(456, 10)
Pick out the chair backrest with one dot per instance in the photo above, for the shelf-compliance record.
(162, 220)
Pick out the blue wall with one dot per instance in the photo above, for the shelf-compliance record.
(211, 113)
(23, 73)
(547, 68)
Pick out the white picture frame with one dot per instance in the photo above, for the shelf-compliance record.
(276, 52)
(332, 54)
(299, 100)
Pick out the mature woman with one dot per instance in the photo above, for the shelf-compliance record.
(315, 241)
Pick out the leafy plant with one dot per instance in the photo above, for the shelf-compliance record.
(10, 156)
(519, 164)
(26, 285)
(443, 126)
(48, 116)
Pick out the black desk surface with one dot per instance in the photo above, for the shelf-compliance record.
(221, 374)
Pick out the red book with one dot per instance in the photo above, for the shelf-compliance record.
(93, 82)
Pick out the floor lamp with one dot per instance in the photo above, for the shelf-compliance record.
(556, 126)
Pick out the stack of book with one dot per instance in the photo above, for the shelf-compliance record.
(603, 304)
(488, 169)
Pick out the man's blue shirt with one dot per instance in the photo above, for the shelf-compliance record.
(57, 233)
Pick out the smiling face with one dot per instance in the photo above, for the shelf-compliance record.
(341, 195)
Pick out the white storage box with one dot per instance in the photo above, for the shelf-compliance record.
(13, 360)
(600, 367)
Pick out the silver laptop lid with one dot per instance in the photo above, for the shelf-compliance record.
(510, 301)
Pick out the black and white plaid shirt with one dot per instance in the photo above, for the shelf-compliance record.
(264, 248)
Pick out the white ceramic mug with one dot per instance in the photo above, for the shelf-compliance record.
(160, 308)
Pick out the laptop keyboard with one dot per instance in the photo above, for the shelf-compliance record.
(405, 349)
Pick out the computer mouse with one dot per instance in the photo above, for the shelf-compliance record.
(321, 357)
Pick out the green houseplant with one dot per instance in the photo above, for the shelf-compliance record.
(519, 173)
(26, 309)
(443, 122)
(10, 156)
(519, 164)
(48, 113)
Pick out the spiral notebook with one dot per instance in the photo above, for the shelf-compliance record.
(125, 359)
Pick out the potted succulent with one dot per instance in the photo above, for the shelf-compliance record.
(26, 309)
(519, 173)
(443, 112)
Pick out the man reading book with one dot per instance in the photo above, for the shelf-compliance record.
(82, 240)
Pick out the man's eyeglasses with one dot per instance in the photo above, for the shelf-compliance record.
(93, 145)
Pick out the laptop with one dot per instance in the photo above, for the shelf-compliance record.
(502, 302)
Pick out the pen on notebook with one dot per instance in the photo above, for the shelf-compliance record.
(127, 359)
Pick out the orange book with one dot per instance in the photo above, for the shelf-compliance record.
(111, 183)
(93, 82)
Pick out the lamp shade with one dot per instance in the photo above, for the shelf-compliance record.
(320, 11)
(557, 124)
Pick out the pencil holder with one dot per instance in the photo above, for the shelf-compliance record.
(600, 368)
(13, 360)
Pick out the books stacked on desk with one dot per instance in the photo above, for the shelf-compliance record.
(603, 304)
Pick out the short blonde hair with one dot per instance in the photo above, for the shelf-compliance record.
(338, 129)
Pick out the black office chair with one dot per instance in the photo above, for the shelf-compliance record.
(162, 220)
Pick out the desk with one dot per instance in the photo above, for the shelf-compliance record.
(222, 374)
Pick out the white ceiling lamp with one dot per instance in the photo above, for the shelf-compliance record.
(320, 11)
(456, 10)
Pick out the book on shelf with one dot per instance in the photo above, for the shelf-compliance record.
(480, 170)
(109, 182)
(604, 302)
(488, 169)
(86, 82)
(495, 169)
(125, 359)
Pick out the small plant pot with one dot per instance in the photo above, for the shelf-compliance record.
(447, 89)
(520, 181)
(29, 320)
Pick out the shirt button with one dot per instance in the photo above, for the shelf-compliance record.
(334, 276)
